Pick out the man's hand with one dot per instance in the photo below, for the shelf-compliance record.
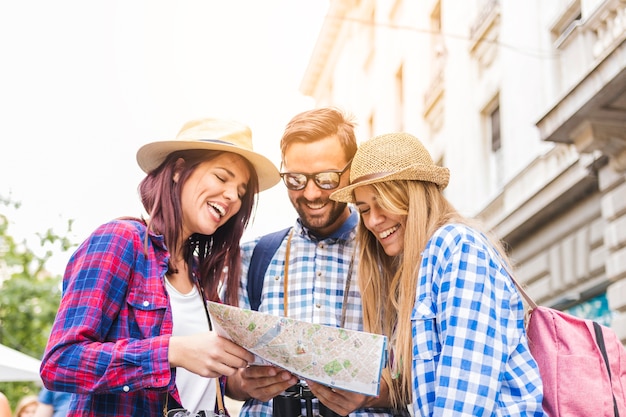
(259, 382)
(340, 401)
(345, 402)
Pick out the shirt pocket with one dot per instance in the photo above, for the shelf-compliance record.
(146, 313)
(426, 344)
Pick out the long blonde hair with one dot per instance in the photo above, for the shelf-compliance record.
(388, 284)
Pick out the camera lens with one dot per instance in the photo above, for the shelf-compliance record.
(286, 406)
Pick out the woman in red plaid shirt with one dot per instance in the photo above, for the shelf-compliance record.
(131, 336)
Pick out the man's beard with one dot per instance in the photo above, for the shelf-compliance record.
(315, 223)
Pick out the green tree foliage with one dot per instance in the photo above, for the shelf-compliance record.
(29, 294)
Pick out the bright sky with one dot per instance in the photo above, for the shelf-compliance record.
(84, 83)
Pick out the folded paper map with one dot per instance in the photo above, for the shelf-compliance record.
(340, 358)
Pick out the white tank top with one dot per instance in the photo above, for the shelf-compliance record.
(196, 392)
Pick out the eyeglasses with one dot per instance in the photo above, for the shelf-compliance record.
(326, 180)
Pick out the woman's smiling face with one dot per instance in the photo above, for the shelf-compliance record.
(387, 228)
(213, 193)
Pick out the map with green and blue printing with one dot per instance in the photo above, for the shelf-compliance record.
(340, 358)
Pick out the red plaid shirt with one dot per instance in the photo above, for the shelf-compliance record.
(109, 342)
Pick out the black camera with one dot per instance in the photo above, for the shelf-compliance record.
(289, 403)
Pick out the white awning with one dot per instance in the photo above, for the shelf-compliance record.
(17, 366)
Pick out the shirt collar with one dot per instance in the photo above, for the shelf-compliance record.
(344, 233)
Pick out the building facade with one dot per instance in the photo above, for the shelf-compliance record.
(525, 102)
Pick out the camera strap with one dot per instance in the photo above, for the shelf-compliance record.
(346, 289)
(218, 388)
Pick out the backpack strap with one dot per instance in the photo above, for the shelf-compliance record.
(600, 342)
(259, 261)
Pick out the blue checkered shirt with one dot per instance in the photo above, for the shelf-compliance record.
(470, 352)
(317, 278)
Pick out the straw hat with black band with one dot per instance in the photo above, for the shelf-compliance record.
(393, 156)
(211, 134)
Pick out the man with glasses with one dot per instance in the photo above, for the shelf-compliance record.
(312, 274)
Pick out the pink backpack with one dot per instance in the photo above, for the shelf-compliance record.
(582, 363)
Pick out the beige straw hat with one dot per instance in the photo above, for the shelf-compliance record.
(211, 134)
(393, 156)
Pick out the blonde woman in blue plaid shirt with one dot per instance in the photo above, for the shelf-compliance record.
(437, 288)
(317, 258)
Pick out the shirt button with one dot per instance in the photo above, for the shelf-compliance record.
(126, 388)
(320, 245)
(319, 273)
(277, 277)
(318, 305)
(146, 303)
